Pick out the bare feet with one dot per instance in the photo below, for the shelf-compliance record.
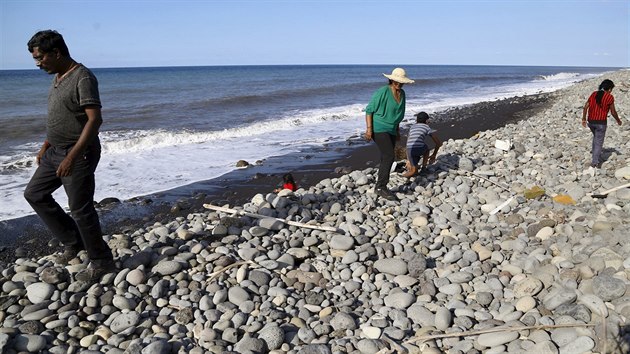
(410, 172)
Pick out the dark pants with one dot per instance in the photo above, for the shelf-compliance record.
(82, 230)
(415, 154)
(599, 133)
(386, 144)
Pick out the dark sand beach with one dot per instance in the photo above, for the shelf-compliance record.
(28, 237)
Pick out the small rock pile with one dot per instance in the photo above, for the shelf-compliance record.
(467, 261)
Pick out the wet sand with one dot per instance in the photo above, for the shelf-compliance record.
(28, 237)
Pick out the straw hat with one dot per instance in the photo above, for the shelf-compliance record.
(399, 75)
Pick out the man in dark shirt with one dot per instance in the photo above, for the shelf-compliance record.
(69, 156)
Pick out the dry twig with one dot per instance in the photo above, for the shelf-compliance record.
(494, 330)
(213, 275)
(258, 216)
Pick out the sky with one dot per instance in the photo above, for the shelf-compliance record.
(137, 33)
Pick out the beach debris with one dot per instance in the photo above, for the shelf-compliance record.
(605, 193)
(242, 164)
(504, 145)
(534, 193)
(564, 199)
(258, 216)
(478, 175)
(501, 206)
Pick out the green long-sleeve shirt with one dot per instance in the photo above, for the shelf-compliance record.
(386, 112)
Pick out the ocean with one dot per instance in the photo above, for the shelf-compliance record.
(167, 127)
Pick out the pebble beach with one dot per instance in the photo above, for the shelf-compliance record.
(518, 250)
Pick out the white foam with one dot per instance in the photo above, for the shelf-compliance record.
(124, 142)
(559, 76)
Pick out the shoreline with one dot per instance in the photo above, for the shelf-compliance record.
(28, 237)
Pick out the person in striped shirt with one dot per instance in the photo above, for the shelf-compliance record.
(597, 106)
(416, 146)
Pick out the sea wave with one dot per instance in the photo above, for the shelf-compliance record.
(559, 76)
(23, 159)
(124, 142)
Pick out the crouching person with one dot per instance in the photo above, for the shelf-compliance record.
(417, 147)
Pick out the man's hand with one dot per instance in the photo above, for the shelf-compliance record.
(65, 167)
(368, 134)
(89, 133)
(42, 151)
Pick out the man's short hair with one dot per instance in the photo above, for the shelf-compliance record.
(422, 117)
(47, 41)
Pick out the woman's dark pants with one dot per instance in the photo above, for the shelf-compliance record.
(82, 230)
(599, 133)
(386, 144)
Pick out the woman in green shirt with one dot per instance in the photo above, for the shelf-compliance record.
(383, 115)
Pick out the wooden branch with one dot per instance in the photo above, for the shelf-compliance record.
(604, 193)
(495, 330)
(477, 175)
(226, 268)
(258, 216)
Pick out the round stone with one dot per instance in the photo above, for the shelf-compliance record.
(167, 267)
(39, 292)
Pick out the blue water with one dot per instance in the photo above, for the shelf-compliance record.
(168, 127)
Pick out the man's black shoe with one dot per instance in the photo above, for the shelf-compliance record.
(95, 271)
(385, 193)
(66, 256)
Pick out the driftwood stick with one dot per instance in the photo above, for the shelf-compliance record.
(226, 268)
(495, 330)
(604, 193)
(498, 208)
(477, 175)
(258, 216)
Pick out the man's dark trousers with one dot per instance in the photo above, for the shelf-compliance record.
(82, 230)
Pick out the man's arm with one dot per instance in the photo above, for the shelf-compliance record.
(89, 133)
(438, 143)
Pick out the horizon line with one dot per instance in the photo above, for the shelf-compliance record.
(324, 65)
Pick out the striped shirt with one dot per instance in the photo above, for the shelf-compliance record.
(417, 133)
(599, 112)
